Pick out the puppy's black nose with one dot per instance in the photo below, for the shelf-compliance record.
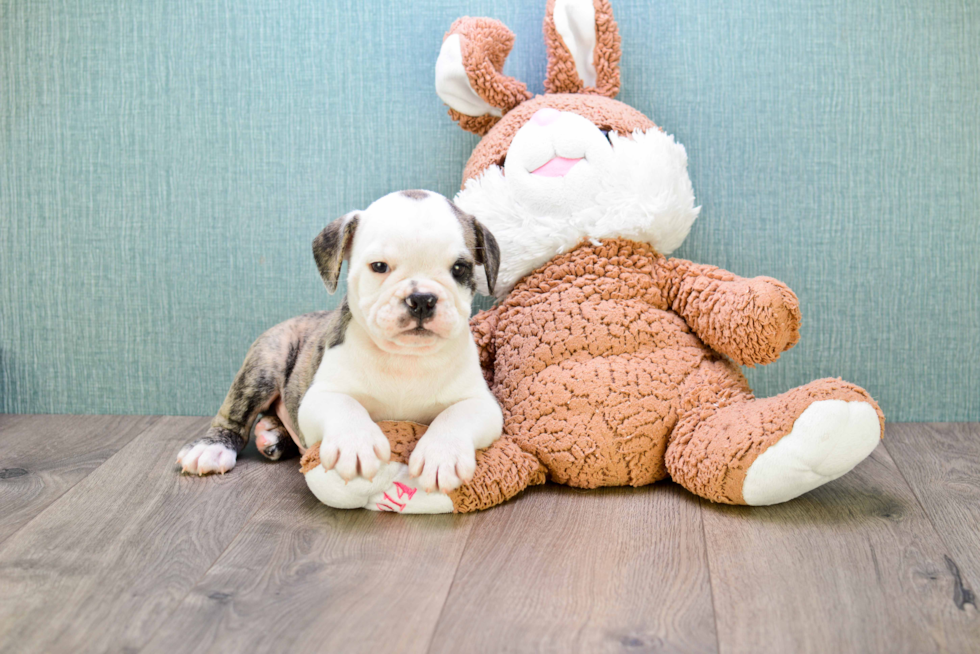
(421, 305)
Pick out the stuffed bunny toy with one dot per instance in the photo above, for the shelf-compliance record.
(614, 364)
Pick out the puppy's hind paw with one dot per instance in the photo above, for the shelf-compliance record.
(272, 439)
(203, 457)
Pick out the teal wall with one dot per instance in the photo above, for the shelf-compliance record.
(164, 165)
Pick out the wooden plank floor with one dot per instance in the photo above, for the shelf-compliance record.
(105, 548)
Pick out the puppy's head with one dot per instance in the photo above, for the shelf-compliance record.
(413, 257)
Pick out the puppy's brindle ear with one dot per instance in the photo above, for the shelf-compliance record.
(486, 252)
(332, 246)
(481, 243)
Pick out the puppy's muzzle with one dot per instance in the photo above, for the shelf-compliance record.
(421, 306)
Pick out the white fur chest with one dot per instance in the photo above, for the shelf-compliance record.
(392, 387)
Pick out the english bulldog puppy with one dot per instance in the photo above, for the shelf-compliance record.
(398, 348)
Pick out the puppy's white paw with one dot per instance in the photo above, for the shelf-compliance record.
(442, 462)
(203, 458)
(359, 452)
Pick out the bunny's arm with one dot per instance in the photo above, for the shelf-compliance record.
(751, 321)
(484, 329)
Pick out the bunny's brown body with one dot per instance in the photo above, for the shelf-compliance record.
(600, 364)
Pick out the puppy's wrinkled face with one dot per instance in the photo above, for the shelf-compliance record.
(411, 267)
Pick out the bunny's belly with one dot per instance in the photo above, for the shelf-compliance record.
(601, 416)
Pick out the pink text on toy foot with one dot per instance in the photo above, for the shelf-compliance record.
(405, 490)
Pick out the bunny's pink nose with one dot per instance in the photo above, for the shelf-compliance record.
(545, 116)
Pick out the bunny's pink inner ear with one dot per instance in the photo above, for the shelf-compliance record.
(469, 73)
(583, 47)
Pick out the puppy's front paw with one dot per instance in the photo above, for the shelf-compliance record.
(203, 457)
(443, 462)
(359, 452)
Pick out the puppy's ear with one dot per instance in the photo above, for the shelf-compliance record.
(332, 246)
(480, 242)
(486, 252)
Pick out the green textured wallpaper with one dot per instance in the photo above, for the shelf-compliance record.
(164, 166)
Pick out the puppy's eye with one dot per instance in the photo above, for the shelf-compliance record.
(461, 269)
(379, 267)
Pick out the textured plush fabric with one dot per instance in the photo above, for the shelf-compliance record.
(600, 375)
(723, 429)
(164, 167)
(562, 76)
(502, 471)
(485, 45)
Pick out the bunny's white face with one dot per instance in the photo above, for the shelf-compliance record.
(556, 162)
(567, 181)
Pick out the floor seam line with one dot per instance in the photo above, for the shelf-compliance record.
(711, 582)
(452, 584)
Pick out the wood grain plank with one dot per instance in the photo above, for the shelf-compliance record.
(304, 577)
(941, 462)
(8, 420)
(106, 563)
(560, 570)
(41, 457)
(854, 566)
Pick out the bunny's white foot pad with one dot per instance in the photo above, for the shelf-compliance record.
(828, 439)
(392, 489)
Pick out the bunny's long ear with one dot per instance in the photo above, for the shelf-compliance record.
(469, 75)
(583, 47)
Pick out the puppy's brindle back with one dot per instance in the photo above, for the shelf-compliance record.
(280, 365)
